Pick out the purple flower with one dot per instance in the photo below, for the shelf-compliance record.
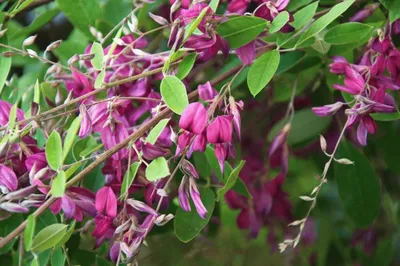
(365, 13)
(339, 65)
(329, 109)
(195, 195)
(220, 130)
(106, 202)
(79, 85)
(5, 109)
(86, 123)
(206, 92)
(247, 53)
(8, 179)
(194, 118)
(110, 138)
(183, 195)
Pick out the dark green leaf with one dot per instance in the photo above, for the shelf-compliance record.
(174, 94)
(394, 9)
(81, 13)
(239, 31)
(386, 116)
(384, 253)
(189, 224)
(347, 33)
(325, 20)
(54, 152)
(230, 181)
(358, 185)
(213, 162)
(58, 185)
(48, 237)
(289, 60)
(262, 71)
(158, 168)
(29, 231)
(156, 131)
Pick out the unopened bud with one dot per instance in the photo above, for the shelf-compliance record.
(322, 142)
(53, 45)
(160, 20)
(344, 161)
(86, 56)
(163, 219)
(29, 41)
(73, 59)
(8, 54)
(31, 53)
(13, 207)
(3, 32)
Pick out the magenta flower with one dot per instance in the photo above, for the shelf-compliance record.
(194, 118)
(220, 130)
(188, 187)
(79, 85)
(8, 179)
(329, 109)
(206, 92)
(339, 65)
(5, 108)
(247, 53)
(86, 123)
(106, 202)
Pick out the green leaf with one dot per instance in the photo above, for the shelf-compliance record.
(394, 9)
(54, 152)
(289, 60)
(81, 13)
(305, 127)
(71, 134)
(325, 20)
(386, 116)
(347, 33)
(358, 185)
(384, 253)
(129, 178)
(213, 162)
(48, 237)
(67, 235)
(293, 5)
(214, 5)
(71, 170)
(58, 185)
(262, 71)
(192, 26)
(174, 94)
(35, 262)
(29, 231)
(36, 92)
(304, 16)
(188, 225)
(156, 131)
(98, 83)
(97, 60)
(279, 21)
(58, 257)
(186, 66)
(231, 181)
(12, 116)
(239, 31)
(5, 63)
(239, 187)
(157, 169)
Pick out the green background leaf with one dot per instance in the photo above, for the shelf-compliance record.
(54, 152)
(48, 237)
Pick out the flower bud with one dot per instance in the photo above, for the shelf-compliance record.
(189, 169)
(8, 179)
(13, 207)
(53, 45)
(29, 41)
(163, 219)
(207, 92)
(329, 109)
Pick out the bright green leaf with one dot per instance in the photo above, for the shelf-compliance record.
(239, 31)
(48, 237)
(71, 134)
(304, 16)
(186, 66)
(214, 5)
(97, 60)
(58, 257)
(279, 21)
(358, 185)
(100, 79)
(54, 151)
(174, 94)
(347, 33)
(156, 131)
(394, 9)
(29, 231)
(157, 169)
(386, 116)
(58, 185)
(129, 178)
(192, 26)
(72, 169)
(262, 71)
(67, 235)
(5, 63)
(12, 116)
(36, 92)
(325, 20)
(188, 225)
(231, 181)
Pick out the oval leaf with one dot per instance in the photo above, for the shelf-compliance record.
(156, 131)
(231, 181)
(97, 60)
(71, 134)
(188, 225)
(54, 153)
(239, 31)
(279, 21)
(58, 185)
(29, 231)
(324, 21)
(48, 237)
(262, 71)
(304, 16)
(157, 169)
(358, 185)
(347, 33)
(186, 65)
(174, 94)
